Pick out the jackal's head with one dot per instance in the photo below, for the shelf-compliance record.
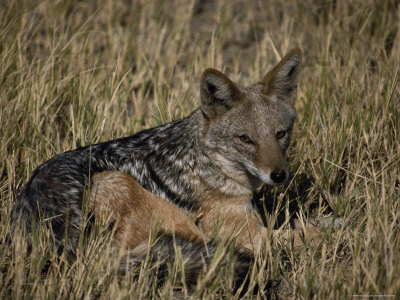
(249, 128)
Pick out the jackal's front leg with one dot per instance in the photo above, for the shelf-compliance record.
(119, 200)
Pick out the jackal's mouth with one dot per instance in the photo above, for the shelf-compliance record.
(271, 178)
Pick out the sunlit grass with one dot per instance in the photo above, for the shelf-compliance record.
(73, 73)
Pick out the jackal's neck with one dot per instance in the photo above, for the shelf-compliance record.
(165, 159)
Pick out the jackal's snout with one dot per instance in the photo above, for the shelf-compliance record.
(272, 166)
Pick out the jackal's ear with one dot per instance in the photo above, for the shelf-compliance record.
(283, 78)
(218, 93)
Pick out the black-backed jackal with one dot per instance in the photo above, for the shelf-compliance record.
(204, 167)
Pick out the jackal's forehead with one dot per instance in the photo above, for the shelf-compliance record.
(267, 111)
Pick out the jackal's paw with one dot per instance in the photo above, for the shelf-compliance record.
(306, 236)
(310, 232)
(336, 223)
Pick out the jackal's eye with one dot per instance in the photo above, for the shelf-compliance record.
(245, 139)
(280, 134)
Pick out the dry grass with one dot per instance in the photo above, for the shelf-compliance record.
(74, 73)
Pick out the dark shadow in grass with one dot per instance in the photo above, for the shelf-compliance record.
(267, 200)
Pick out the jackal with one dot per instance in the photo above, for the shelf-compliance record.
(204, 167)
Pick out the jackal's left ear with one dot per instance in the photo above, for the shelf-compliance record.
(218, 93)
(282, 80)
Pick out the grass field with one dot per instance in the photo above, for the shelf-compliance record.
(73, 73)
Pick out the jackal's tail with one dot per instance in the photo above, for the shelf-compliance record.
(190, 260)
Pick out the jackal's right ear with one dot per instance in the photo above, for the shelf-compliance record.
(282, 80)
(218, 93)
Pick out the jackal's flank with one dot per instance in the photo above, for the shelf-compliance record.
(206, 165)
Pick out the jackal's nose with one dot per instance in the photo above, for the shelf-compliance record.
(278, 176)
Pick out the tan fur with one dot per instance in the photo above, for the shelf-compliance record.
(119, 200)
(235, 216)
